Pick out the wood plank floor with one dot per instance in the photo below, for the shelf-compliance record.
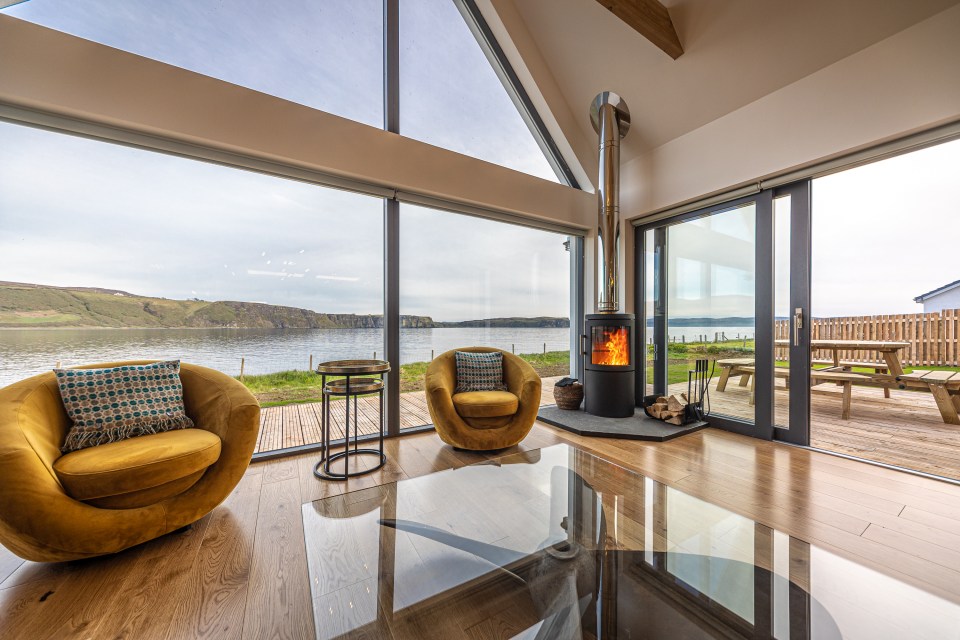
(240, 571)
(297, 425)
(904, 430)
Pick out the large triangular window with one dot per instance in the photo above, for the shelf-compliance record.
(456, 91)
(325, 54)
(450, 95)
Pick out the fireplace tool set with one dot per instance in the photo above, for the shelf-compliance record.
(692, 406)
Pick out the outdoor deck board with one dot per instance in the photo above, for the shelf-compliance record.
(299, 424)
(905, 430)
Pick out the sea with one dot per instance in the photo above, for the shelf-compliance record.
(27, 352)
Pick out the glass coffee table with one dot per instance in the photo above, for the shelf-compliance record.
(559, 544)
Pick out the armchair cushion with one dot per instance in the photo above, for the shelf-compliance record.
(486, 404)
(115, 403)
(138, 464)
(479, 371)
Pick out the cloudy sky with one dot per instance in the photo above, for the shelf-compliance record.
(82, 213)
(75, 212)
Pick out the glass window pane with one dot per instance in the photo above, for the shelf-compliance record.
(650, 291)
(129, 254)
(451, 97)
(894, 310)
(471, 282)
(781, 311)
(326, 55)
(711, 305)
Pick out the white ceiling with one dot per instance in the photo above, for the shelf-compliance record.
(735, 52)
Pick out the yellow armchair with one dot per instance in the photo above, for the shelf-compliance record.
(126, 492)
(482, 420)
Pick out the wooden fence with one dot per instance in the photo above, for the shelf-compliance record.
(934, 338)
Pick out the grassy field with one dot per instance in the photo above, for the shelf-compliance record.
(288, 387)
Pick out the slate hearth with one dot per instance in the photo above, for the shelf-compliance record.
(637, 427)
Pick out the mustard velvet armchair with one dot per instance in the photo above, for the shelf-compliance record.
(482, 420)
(40, 521)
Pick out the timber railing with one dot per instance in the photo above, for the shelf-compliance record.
(934, 338)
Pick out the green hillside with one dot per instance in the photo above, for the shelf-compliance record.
(40, 306)
(28, 305)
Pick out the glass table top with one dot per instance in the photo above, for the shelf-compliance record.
(559, 544)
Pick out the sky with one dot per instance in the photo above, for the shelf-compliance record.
(885, 233)
(114, 217)
(882, 234)
(76, 212)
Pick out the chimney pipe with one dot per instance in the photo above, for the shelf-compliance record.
(611, 120)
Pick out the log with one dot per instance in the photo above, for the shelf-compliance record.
(674, 405)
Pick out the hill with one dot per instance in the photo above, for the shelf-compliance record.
(42, 306)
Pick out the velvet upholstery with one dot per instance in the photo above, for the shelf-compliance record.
(490, 431)
(485, 404)
(39, 521)
(137, 463)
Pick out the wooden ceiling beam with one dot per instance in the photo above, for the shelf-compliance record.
(651, 20)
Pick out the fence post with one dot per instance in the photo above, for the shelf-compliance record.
(513, 348)
(311, 362)
(242, 362)
(431, 355)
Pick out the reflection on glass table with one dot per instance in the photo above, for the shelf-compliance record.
(561, 544)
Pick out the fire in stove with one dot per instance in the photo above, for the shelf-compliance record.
(611, 346)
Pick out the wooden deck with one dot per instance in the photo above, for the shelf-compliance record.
(296, 425)
(905, 430)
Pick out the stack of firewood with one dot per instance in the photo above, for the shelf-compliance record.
(671, 410)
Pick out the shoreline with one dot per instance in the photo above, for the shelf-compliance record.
(3, 328)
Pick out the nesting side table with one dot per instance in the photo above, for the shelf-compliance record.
(354, 378)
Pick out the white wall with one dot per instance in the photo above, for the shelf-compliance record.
(56, 73)
(946, 300)
(906, 83)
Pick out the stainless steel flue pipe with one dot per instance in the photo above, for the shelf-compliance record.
(611, 120)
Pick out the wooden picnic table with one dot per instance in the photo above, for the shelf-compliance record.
(840, 371)
(889, 350)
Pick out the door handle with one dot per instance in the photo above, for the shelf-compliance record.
(797, 325)
(583, 346)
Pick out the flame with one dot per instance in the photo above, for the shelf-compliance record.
(615, 351)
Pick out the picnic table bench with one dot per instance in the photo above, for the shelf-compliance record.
(845, 379)
(943, 385)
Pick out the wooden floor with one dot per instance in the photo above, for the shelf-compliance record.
(240, 571)
(296, 425)
(904, 430)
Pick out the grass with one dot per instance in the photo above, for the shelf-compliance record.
(291, 387)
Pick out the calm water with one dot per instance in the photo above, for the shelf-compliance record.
(25, 353)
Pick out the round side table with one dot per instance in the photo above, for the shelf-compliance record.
(354, 378)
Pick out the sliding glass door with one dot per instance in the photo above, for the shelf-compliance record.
(716, 285)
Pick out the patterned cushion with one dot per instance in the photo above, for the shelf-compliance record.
(107, 405)
(479, 371)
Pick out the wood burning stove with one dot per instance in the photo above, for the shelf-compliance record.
(609, 365)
